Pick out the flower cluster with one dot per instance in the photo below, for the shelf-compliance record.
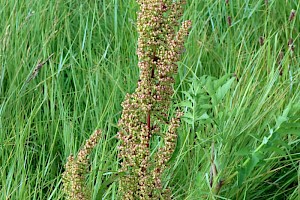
(145, 112)
(77, 169)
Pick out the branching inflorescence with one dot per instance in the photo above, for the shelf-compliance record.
(145, 112)
(77, 169)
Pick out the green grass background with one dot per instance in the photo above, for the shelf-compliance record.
(94, 65)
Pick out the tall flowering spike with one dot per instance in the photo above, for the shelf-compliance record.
(145, 112)
(77, 169)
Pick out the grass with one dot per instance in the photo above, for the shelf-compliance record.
(254, 126)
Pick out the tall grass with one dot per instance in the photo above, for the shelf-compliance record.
(94, 65)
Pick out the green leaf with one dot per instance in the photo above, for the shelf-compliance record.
(291, 125)
(199, 179)
(284, 117)
(222, 91)
(206, 106)
(221, 81)
(188, 115)
(276, 150)
(186, 104)
(203, 97)
(204, 116)
(252, 163)
(293, 131)
(188, 95)
(211, 91)
(243, 151)
(249, 166)
(206, 121)
(280, 120)
(241, 176)
(188, 121)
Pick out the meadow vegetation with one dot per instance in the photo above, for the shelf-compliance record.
(66, 67)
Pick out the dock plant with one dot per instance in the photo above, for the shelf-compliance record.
(146, 111)
(77, 169)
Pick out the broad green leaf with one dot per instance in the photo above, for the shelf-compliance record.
(241, 176)
(252, 163)
(291, 125)
(283, 117)
(222, 91)
(186, 104)
(281, 143)
(204, 116)
(188, 115)
(206, 106)
(203, 97)
(293, 131)
(205, 121)
(188, 95)
(248, 168)
(222, 80)
(276, 150)
(280, 120)
(188, 120)
(243, 151)
(211, 91)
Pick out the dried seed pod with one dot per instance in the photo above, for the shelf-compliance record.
(229, 22)
(292, 15)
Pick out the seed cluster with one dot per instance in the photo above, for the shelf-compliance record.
(145, 112)
(77, 169)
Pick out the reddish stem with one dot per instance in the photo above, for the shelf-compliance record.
(148, 121)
